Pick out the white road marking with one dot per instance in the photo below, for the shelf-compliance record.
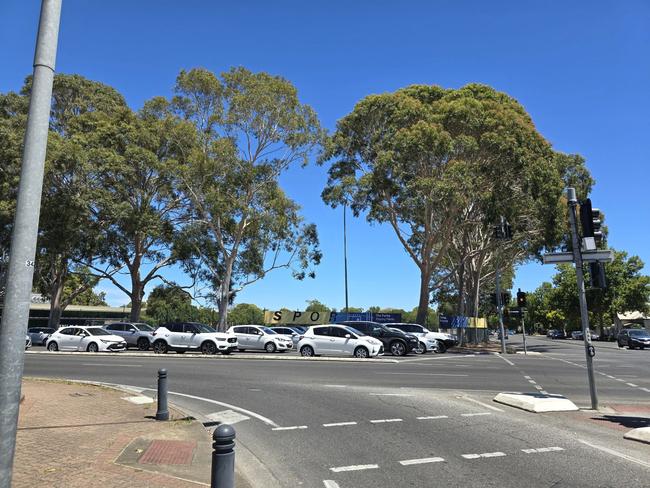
(610, 376)
(254, 389)
(339, 424)
(113, 365)
(435, 358)
(539, 387)
(632, 384)
(621, 380)
(506, 360)
(427, 374)
(532, 382)
(544, 392)
(336, 386)
(410, 462)
(227, 417)
(138, 400)
(474, 414)
(330, 484)
(384, 421)
(484, 455)
(358, 467)
(542, 449)
(645, 389)
(616, 453)
(528, 377)
(489, 407)
(433, 417)
(292, 427)
(391, 394)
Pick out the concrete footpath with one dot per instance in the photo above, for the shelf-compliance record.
(75, 435)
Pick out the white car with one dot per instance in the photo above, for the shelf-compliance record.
(338, 340)
(429, 341)
(260, 337)
(90, 339)
(186, 336)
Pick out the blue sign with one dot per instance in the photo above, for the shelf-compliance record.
(381, 317)
(453, 322)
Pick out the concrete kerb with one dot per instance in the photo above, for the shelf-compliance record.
(642, 434)
(220, 357)
(537, 402)
(256, 473)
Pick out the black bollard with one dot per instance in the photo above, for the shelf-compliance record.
(223, 457)
(163, 411)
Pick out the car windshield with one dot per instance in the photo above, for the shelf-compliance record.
(204, 328)
(639, 333)
(266, 330)
(144, 327)
(97, 331)
(355, 331)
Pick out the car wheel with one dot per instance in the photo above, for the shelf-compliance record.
(270, 347)
(143, 344)
(52, 347)
(92, 347)
(441, 347)
(421, 349)
(361, 352)
(307, 351)
(208, 347)
(398, 348)
(160, 347)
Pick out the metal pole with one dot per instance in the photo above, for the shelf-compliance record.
(523, 330)
(163, 411)
(345, 259)
(223, 457)
(22, 253)
(497, 277)
(584, 314)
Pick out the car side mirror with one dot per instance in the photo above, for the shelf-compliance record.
(347, 336)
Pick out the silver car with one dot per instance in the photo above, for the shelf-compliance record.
(39, 335)
(136, 334)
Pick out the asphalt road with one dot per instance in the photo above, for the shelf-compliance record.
(422, 422)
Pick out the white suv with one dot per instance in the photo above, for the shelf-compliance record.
(90, 339)
(186, 336)
(260, 337)
(339, 340)
(429, 341)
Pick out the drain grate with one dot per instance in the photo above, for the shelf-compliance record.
(168, 452)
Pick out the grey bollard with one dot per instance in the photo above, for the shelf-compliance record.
(163, 411)
(223, 457)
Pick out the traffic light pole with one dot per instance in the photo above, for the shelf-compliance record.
(523, 330)
(497, 278)
(577, 259)
(23, 239)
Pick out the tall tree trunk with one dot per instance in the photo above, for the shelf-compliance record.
(56, 309)
(224, 295)
(423, 304)
(137, 294)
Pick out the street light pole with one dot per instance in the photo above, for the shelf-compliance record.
(584, 314)
(345, 259)
(22, 253)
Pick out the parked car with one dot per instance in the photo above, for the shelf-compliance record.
(437, 342)
(633, 338)
(28, 342)
(187, 336)
(261, 338)
(39, 335)
(90, 339)
(396, 342)
(338, 340)
(577, 335)
(135, 334)
(293, 333)
(556, 334)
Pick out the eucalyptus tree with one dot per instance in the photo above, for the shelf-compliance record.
(240, 225)
(441, 166)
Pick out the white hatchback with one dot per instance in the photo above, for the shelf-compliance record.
(89, 339)
(261, 338)
(338, 340)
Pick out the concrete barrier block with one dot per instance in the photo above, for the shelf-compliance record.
(537, 402)
(642, 434)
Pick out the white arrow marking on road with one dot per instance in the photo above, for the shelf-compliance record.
(409, 462)
(358, 467)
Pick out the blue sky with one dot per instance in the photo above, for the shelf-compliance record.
(580, 68)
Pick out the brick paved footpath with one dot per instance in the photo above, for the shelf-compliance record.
(70, 435)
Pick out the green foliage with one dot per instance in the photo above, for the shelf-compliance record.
(171, 303)
(245, 313)
(316, 306)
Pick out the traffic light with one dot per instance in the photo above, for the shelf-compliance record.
(591, 221)
(505, 298)
(521, 299)
(597, 275)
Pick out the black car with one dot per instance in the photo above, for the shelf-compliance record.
(556, 334)
(633, 338)
(395, 341)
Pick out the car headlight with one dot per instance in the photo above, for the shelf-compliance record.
(106, 341)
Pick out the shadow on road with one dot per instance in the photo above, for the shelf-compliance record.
(625, 421)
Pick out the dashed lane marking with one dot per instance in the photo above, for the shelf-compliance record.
(330, 484)
(391, 394)
(336, 386)
(292, 427)
(425, 374)
(357, 467)
(339, 424)
(528, 377)
(433, 417)
(474, 414)
(645, 389)
(489, 407)
(542, 449)
(411, 462)
(385, 421)
(484, 455)
(632, 384)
